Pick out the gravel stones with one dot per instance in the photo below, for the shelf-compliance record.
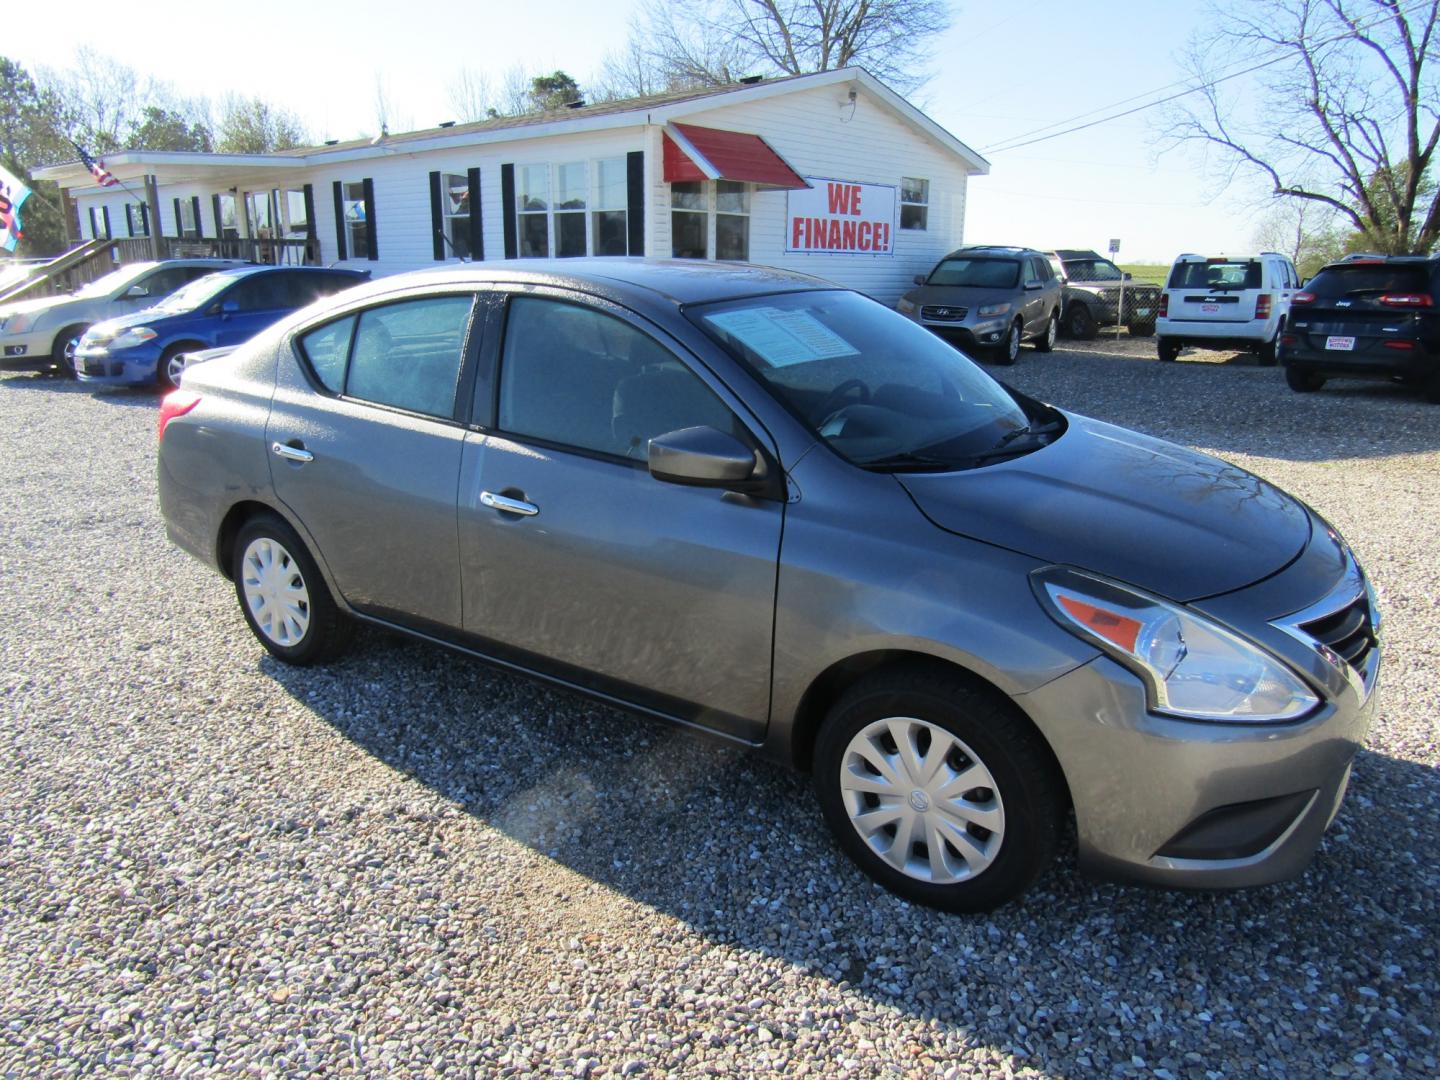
(408, 864)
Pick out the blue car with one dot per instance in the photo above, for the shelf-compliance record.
(224, 308)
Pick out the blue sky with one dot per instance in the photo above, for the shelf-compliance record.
(1006, 67)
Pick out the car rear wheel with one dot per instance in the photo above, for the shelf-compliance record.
(1303, 381)
(284, 598)
(1080, 323)
(1168, 350)
(938, 791)
(1009, 350)
(1046, 341)
(63, 351)
(1270, 351)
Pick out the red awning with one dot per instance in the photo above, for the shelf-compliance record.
(700, 153)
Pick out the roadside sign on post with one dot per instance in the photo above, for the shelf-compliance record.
(1120, 306)
(1114, 247)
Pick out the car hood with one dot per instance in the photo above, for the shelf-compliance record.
(32, 307)
(136, 318)
(1112, 288)
(1136, 509)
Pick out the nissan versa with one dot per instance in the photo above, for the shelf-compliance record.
(752, 503)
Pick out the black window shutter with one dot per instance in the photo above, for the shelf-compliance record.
(195, 209)
(179, 226)
(507, 207)
(477, 234)
(368, 186)
(144, 220)
(340, 220)
(129, 219)
(105, 213)
(312, 240)
(219, 222)
(635, 200)
(437, 220)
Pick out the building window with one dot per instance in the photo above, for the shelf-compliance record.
(187, 227)
(455, 210)
(914, 203)
(533, 207)
(297, 214)
(570, 191)
(357, 228)
(137, 219)
(609, 222)
(732, 220)
(689, 219)
(228, 225)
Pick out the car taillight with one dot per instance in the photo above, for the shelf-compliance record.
(1262, 306)
(1302, 298)
(1403, 346)
(1164, 305)
(176, 403)
(1289, 339)
(1407, 299)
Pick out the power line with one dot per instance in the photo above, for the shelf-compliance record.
(1006, 145)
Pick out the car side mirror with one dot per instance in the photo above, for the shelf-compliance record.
(919, 279)
(136, 292)
(704, 457)
(1126, 275)
(1031, 286)
(230, 307)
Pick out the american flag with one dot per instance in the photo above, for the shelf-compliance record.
(97, 169)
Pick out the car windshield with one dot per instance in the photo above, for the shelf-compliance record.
(196, 294)
(1368, 279)
(976, 273)
(1216, 274)
(114, 281)
(1092, 270)
(881, 391)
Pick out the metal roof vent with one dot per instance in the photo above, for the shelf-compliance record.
(446, 123)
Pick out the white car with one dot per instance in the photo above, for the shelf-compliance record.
(1226, 302)
(43, 333)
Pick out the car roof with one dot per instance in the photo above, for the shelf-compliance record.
(1004, 251)
(679, 281)
(1077, 253)
(246, 269)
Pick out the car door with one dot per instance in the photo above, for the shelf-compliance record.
(576, 560)
(1033, 298)
(248, 306)
(365, 452)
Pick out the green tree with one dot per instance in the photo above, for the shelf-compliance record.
(553, 91)
(159, 128)
(253, 126)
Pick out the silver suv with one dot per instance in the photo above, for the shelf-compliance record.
(989, 298)
(1226, 302)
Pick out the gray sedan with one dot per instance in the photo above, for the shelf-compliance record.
(751, 503)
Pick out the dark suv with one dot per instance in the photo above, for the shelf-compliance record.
(1367, 318)
(1093, 288)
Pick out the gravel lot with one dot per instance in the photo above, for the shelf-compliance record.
(406, 864)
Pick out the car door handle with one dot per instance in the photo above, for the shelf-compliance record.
(508, 505)
(291, 453)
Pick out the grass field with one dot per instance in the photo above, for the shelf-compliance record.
(1154, 273)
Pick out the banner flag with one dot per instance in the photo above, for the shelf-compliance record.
(13, 194)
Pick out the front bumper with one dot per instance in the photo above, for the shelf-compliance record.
(1182, 803)
(988, 333)
(128, 367)
(26, 352)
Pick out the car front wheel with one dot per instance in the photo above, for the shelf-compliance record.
(1009, 349)
(284, 598)
(1046, 341)
(938, 790)
(1080, 323)
(63, 353)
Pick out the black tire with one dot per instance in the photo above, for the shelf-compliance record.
(162, 366)
(1008, 351)
(1079, 323)
(1269, 352)
(62, 353)
(1302, 380)
(1142, 329)
(1168, 350)
(327, 631)
(1028, 788)
(1046, 341)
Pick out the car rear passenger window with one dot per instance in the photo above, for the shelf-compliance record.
(408, 354)
(326, 350)
(579, 377)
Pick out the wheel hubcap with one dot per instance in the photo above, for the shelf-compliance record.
(275, 592)
(173, 367)
(922, 800)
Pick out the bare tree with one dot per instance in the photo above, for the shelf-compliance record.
(102, 98)
(712, 42)
(1306, 231)
(470, 96)
(253, 126)
(1346, 114)
(514, 96)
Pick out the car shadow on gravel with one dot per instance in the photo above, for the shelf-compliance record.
(1075, 979)
(127, 396)
(1233, 406)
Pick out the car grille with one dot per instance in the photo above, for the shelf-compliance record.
(1349, 633)
(940, 313)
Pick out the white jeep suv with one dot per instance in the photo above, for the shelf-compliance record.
(1226, 302)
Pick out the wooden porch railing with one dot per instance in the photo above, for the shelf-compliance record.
(66, 272)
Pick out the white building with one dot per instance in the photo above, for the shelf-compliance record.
(831, 174)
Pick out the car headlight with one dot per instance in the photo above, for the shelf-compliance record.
(1192, 666)
(132, 336)
(18, 324)
(986, 310)
(905, 307)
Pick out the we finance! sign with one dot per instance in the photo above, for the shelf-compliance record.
(836, 217)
